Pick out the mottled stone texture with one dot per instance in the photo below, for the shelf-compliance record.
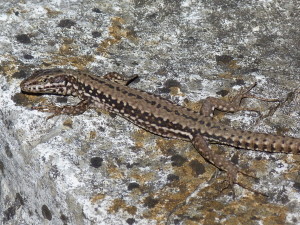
(97, 168)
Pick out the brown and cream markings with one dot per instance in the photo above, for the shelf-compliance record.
(156, 114)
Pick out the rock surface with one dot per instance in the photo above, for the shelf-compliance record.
(97, 168)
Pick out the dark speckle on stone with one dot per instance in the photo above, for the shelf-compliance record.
(133, 185)
(96, 10)
(129, 165)
(172, 177)
(19, 200)
(222, 92)
(96, 162)
(20, 74)
(130, 221)
(294, 219)
(258, 158)
(96, 34)
(1, 167)
(168, 84)
(101, 129)
(46, 212)
(67, 23)
(178, 160)
(8, 151)
(297, 186)
(239, 82)
(27, 56)
(150, 202)
(11, 211)
(197, 167)
(223, 59)
(254, 70)
(284, 199)
(191, 40)
(23, 38)
(177, 222)
(9, 214)
(64, 219)
(135, 63)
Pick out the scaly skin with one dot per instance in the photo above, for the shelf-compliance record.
(156, 114)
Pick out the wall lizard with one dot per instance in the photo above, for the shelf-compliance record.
(155, 114)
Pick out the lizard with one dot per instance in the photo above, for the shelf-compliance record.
(156, 114)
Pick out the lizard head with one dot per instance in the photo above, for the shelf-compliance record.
(50, 81)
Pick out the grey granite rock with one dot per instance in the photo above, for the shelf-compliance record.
(97, 168)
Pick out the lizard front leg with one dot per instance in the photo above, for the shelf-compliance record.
(81, 107)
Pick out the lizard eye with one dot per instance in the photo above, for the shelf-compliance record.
(45, 80)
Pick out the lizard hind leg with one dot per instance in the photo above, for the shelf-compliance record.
(222, 163)
(217, 160)
(234, 104)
